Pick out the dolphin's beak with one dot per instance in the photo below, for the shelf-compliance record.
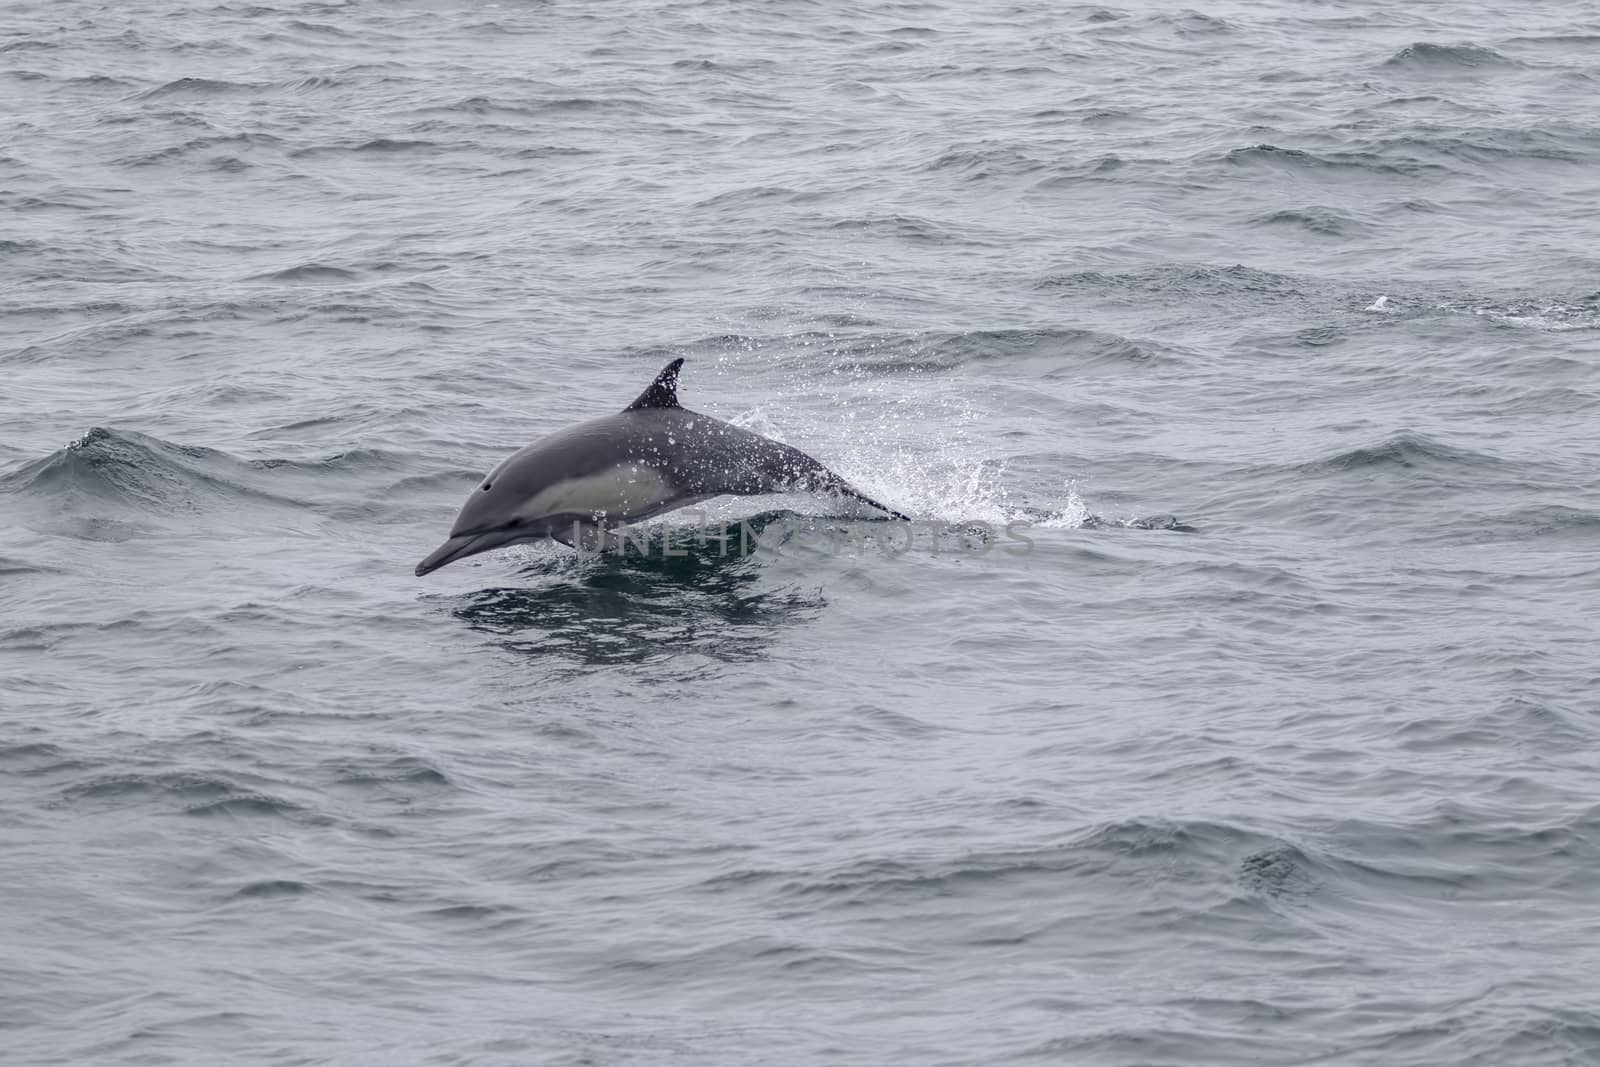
(458, 548)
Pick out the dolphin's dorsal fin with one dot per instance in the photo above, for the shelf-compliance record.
(663, 392)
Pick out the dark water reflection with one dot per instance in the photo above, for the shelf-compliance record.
(619, 609)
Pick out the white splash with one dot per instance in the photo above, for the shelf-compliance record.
(1071, 516)
(916, 442)
(1550, 318)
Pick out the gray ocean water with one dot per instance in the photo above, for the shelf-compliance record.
(1272, 328)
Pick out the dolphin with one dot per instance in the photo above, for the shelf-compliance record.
(651, 457)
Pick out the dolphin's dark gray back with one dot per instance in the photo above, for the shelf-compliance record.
(708, 457)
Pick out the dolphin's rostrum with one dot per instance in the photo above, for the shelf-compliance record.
(651, 457)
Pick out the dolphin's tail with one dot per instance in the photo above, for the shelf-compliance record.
(767, 466)
(824, 480)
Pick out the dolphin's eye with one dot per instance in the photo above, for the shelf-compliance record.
(485, 487)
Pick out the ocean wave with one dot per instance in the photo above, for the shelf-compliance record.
(1100, 168)
(1372, 162)
(315, 83)
(38, 758)
(133, 469)
(1551, 316)
(1549, 523)
(1547, 314)
(190, 86)
(1416, 145)
(408, 773)
(1580, 40)
(150, 478)
(1048, 352)
(1183, 282)
(312, 273)
(1242, 862)
(907, 228)
(324, 29)
(550, 151)
(1281, 872)
(1468, 849)
(1486, 1030)
(1517, 723)
(1170, 523)
(198, 793)
(1403, 451)
(1322, 221)
(236, 142)
(750, 196)
(393, 144)
(1425, 55)
(985, 160)
(377, 146)
(10, 568)
(272, 888)
(1194, 23)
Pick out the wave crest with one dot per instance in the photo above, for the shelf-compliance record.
(1425, 54)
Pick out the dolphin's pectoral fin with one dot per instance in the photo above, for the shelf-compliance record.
(663, 392)
(584, 536)
(568, 536)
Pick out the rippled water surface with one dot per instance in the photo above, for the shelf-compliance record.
(1267, 735)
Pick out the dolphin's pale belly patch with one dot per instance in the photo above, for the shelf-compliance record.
(615, 492)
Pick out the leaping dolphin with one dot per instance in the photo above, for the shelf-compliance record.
(651, 457)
